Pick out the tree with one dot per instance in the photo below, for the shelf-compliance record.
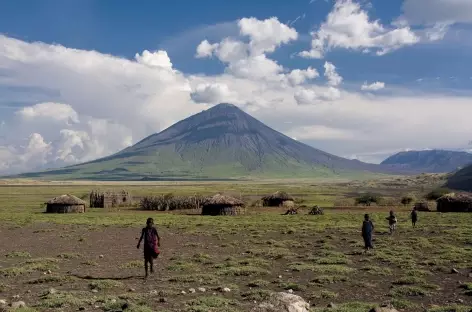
(367, 199)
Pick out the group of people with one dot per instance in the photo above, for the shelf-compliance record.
(152, 240)
(368, 226)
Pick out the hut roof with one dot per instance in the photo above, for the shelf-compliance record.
(453, 197)
(281, 195)
(220, 199)
(66, 200)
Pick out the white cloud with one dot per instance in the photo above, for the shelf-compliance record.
(205, 49)
(334, 79)
(299, 76)
(56, 111)
(155, 59)
(267, 35)
(213, 93)
(348, 26)
(309, 96)
(373, 86)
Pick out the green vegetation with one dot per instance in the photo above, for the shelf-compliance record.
(228, 263)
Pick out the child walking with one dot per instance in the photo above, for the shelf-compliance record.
(367, 230)
(392, 222)
(414, 217)
(151, 242)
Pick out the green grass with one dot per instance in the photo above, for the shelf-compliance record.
(318, 257)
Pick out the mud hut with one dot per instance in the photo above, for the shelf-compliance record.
(316, 211)
(422, 206)
(65, 204)
(109, 199)
(277, 199)
(461, 202)
(221, 205)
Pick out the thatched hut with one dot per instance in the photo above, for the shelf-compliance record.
(65, 204)
(222, 205)
(422, 206)
(109, 199)
(461, 202)
(316, 211)
(277, 199)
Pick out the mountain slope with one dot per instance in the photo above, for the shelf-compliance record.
(461, 180)
(221, 142)
(432, 161)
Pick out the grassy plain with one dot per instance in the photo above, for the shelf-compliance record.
(90, 261)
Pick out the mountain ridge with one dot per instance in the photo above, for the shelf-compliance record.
(220, 142)
(431, 161)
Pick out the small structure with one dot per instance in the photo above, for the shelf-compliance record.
(277, 199)
(461, 202)
(291, 211)
(316, 211)
(65, 204)
(109, 199)
(222, 205)
(422, 206)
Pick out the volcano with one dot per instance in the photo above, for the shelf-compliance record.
(222, 142)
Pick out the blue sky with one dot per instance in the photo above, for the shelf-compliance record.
(430, 59)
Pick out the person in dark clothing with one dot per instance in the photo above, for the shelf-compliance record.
(367, 230)
(151, 242)
(392, 222)
(414, 217)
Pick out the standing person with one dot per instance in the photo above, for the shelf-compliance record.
(151, 242)
(392, 222)
(414, 217)
(367, 230)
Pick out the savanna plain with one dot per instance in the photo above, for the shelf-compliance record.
(89, 262)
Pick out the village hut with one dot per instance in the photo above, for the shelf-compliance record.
(422, 206)
(222, 205)
(65, 204)
(109, 199)
(461, 202)
(277, 199)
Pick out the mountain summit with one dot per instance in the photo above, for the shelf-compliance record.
(221, 142)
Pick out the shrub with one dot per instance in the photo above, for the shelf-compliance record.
(368, 199)
(407, 200)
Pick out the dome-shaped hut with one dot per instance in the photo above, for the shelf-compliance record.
(222, 205)
(452, 202)
(422, 206)
(277, 199)
(65, 204)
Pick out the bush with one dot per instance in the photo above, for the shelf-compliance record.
(368, 199)
(407, 200)
(437, 193)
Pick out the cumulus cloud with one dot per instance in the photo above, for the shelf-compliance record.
(213, 93)
(334, 79)
(155, 59)
(56, 111)
(99, 104)
(373, 86)
(348, 26)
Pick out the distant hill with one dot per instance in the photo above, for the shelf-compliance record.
(431, 161)
(461, 180)
(222, 142)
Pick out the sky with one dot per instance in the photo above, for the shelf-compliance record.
(82, 79)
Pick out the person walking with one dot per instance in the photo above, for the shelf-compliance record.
(414, 217)
(367, 230)
(392, 222)
(151, 243)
